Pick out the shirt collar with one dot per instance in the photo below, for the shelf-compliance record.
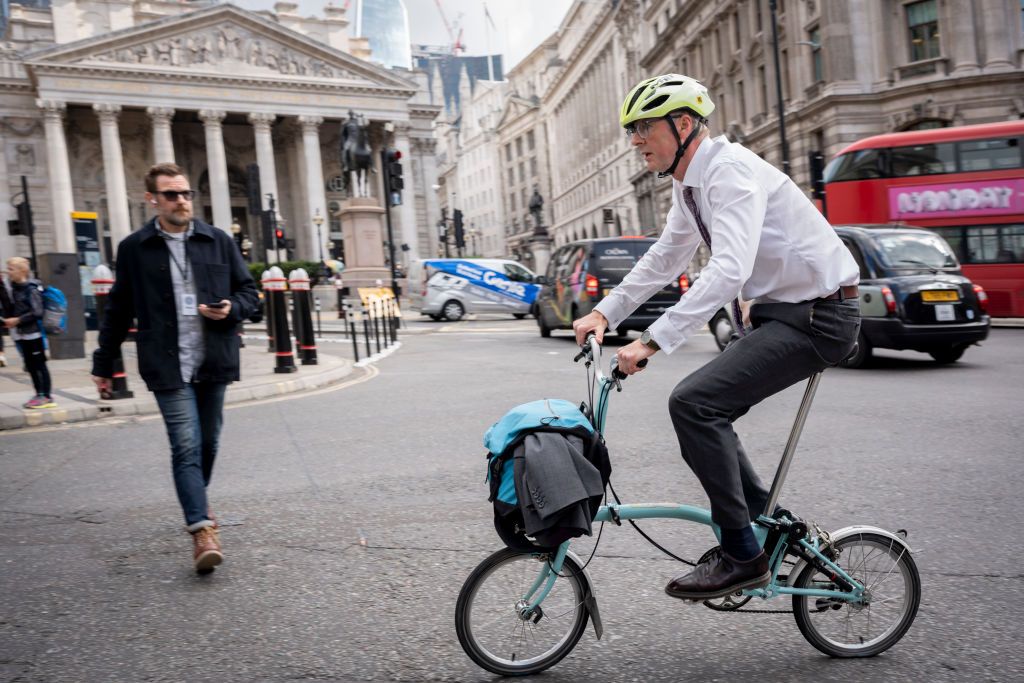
(694, 176)
(176, 236)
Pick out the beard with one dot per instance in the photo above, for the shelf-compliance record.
(179, 217)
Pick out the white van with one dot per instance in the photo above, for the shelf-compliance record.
(450, 288)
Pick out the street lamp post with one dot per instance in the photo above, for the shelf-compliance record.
(318, 220)
(236, 230)
(773, 5)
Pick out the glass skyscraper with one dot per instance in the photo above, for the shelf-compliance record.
(386, 24)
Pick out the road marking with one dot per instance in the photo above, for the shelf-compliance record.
(369, 372)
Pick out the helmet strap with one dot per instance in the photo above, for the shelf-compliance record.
(681, 146)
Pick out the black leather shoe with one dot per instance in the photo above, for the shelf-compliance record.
(720, 575)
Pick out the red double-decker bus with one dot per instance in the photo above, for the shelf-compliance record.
(964, 183)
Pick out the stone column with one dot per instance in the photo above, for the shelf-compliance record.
(163, 145)
(424, 150)
(61, 199)
(217, 167)
(113, 172)
(265, 155)
(407, 210)
(316, 199)
(998, 24)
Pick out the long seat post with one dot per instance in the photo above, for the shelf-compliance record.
(794, 436)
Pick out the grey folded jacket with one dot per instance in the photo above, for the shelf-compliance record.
(555, 483)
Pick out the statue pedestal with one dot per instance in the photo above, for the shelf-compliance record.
(540, 246)
(362, 229)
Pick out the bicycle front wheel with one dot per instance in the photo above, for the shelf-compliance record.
(493, 627)
(841, 628)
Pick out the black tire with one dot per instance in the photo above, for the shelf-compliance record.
(545, 331)
(571, 585)
(518, 316)
(861, 355)
(721, 328)
(899, 572)
(946, 355)
(453, 310)
(435, 316)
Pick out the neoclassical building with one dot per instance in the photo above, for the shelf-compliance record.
(92, 92)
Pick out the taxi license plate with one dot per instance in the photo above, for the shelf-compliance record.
(940, 295)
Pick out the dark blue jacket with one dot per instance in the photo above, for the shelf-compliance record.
(26, 305)
(143, 291)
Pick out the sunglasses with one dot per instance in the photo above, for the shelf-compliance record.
(172, 195)
(643, 126)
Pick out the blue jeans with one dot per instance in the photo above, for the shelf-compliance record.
(193, 416)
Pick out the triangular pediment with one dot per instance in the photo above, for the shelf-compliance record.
(222, 40)
(515, 107)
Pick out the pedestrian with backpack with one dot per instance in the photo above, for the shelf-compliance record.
(24, 324)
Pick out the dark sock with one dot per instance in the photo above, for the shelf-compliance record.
(740, 544)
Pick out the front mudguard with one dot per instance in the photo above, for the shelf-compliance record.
(590, 598)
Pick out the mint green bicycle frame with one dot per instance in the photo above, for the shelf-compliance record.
(545, 580)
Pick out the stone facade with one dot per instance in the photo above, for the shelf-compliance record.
(94, 92)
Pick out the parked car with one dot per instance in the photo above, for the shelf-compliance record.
(912, 295)
(449, 288)
(582, 273)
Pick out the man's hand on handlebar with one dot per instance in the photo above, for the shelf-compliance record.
(632, 357)
(592, 322)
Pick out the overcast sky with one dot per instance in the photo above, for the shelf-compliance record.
(519, 25)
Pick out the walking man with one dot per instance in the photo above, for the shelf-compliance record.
(186, 285)
(768, 242)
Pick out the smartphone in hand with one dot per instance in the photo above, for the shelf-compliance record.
(216, 304)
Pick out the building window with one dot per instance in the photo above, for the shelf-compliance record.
(511, 176)
(519, 147)
(923, 25)
(784, 67)
(817, 67)
(508, 152)
(759, 20)
(530, 143)
(512, 203)
(741, 99)
(533, 167)
(736, 31)
(762, 83)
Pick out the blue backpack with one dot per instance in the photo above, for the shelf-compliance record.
(55, 310)
(549, 415)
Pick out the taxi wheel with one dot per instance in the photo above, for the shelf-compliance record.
(453, 310)
(947, 355)
(861, 354)
(545, 331)
(518, 316)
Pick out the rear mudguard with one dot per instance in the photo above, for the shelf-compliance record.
(846, 532)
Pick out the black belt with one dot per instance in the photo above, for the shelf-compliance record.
(847, 292)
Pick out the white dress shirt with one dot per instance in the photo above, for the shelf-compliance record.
(768, 242)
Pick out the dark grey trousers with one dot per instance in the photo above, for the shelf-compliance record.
(789, 342)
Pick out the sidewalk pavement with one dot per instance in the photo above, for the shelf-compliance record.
(77, 400)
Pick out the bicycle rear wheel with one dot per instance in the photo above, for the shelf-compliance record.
(841, 628)
(498, 636)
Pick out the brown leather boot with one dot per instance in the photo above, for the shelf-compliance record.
(207, 552)
(720, 575)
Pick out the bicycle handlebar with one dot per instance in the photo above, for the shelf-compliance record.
(591, 350)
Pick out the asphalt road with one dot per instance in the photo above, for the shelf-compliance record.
(352, 516)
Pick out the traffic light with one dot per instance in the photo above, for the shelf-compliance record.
(23, 223)
(816, 164)
(393, 176)
(282, 243)
(460, 233)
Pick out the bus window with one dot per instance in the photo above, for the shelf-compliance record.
(954, 236)
(866, 163)
(990, 155)
(924, 159)
(996, 244)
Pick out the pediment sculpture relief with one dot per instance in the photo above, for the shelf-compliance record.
(220, 46)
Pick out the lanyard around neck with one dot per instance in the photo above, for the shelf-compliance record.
(183, 270)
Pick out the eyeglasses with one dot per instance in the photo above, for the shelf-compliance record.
(643, 126)
(172, 195)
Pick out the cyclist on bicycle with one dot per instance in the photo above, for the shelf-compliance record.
(768, 242)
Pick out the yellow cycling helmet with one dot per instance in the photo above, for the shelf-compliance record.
(662, 95)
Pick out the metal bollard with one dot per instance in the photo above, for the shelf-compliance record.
(102, 281)
(298, 280)
(376, 323)
(393, 305)
(366, 328)
(268, 312)
(319, 330)
(351, 329)
(276, 284)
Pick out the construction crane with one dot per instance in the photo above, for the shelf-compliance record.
(456, 45)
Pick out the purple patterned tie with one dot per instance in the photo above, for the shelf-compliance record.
(706, 236)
